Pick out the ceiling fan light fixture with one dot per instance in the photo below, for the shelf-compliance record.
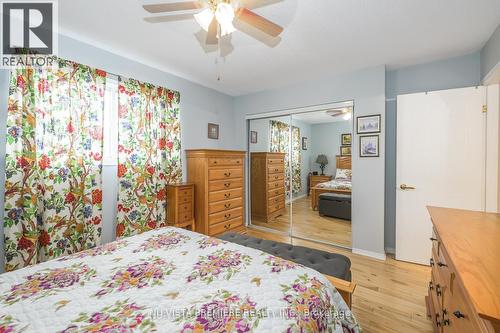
(225, 16)
(204, 18)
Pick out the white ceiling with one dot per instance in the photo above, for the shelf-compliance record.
(321, 37)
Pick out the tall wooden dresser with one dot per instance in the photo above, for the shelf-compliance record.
(218, 176)
(267, 185)
(464, 290)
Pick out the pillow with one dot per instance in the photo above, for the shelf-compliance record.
(344, 174)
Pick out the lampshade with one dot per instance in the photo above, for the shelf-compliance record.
(225, 16)
(322, 159)
(204, 18)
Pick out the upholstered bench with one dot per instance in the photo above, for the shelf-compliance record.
(335, 205)
(336, 267)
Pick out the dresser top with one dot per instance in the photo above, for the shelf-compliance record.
(472, 241)
(213, 152)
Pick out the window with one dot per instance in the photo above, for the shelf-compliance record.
(110, 122)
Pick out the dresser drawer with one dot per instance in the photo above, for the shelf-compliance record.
(277, 191)
(215, 174)
(225, 215)
(276, 185)
(225, 195)
(276, 200)
(461, 318)
(214, 162)
(220, 228)
(276, 161)
(217, 185)
(276, 169)
(185, 216)
(184, 207)
(185, 192)
(215, 207)
(185, 199)
(275, 177)
(275, 207)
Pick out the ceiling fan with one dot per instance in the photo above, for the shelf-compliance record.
(345, 113)
(216, 17)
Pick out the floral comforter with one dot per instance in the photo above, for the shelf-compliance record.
(171, 280)
(337, 184)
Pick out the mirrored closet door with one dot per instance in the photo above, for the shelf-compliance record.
(270, 174)
(321, 172)
(300, 174)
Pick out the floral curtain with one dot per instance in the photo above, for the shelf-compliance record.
(280, 142)
(53, 162)
(149, 154)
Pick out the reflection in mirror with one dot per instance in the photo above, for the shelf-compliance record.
(322, 176)
(271, 173)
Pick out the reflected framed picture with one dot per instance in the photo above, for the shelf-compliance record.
(253, 137)
(304, 143)
(213, 131)
(345, 151)
(369, 146)
(346, 139)
(368, 124)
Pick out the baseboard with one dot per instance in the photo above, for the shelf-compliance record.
(390, 250)
(376, 255)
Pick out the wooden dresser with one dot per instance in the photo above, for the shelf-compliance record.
(219, 180)
(180, 205)
(267, 185)
(464, 290)
(317, 179)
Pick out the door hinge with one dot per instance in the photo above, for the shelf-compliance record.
(485, 108)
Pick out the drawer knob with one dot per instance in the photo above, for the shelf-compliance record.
(227, 195)
(438, 290)
(227, 216)
(215, 162)
(276, 170)
(446, 322)
(440, 264)
(227, 205)
(433, 239)
(458, 314)
(431, 262)
(431, 287)
(227, 174)
(227, 184)
(438, 323)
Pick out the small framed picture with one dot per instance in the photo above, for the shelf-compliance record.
(253, 137)
(304, 143)
(369, 146)
(345, 151)
(213, 131)
(368, 124)
(346, 139)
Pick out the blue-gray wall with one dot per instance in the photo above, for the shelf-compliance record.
(490, 54)
(199, 106)
(447, 74)
(326, 139)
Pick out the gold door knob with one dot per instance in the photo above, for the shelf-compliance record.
(405, 187)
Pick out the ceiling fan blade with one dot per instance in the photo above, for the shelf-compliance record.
(212, 32)
(171, 7)
(168, 18)
(259, 22)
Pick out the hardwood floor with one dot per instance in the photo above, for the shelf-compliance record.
(389, 297)
(308, 224)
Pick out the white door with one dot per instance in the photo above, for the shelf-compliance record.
(441, 153)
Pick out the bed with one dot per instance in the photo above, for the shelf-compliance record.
(336, 185)
(171, 280)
